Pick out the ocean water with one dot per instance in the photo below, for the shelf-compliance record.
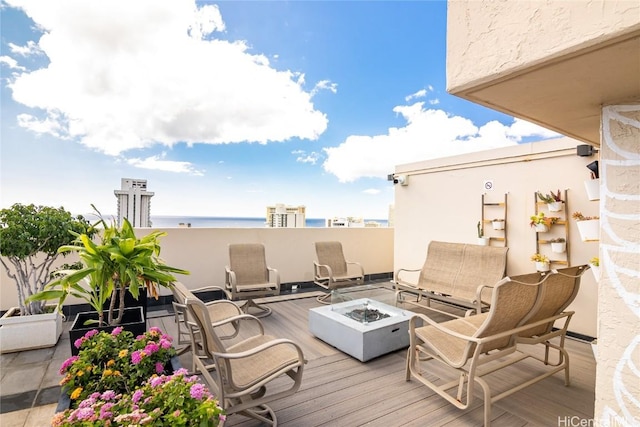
(229, 222)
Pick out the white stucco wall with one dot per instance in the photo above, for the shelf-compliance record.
(522, 33)
(442, 201)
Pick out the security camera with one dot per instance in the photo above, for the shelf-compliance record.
(400, 179)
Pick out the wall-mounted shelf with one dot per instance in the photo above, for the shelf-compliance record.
(560, 229)
(491, 211)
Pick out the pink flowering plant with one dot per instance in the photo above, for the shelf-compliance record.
(174, 400)
(115, 361)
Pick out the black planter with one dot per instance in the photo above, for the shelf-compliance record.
(130, 301)
(133, 321)
(64, 402)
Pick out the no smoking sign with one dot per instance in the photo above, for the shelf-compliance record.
(488, 185)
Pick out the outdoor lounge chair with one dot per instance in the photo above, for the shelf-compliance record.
(331, 270)
(247, 276)
(219, 312)
(240, 373)
(477, 345)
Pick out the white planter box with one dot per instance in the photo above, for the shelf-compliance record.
(593, 189)
(596, 272)
(558, 247)
(541, 228)
(364, 341)
(589, 230)
(18, 333)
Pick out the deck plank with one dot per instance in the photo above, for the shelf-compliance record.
(338, 390)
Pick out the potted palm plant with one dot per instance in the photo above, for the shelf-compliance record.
(29, 239)
(553, 200)
(118, 264)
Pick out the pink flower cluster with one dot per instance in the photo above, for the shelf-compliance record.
(78, 343)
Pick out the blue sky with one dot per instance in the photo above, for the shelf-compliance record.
(227, 107)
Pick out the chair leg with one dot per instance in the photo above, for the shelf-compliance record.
(322, 299)
(263, 311)
(261, 413)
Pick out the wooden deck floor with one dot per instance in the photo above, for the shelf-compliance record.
(338, 390)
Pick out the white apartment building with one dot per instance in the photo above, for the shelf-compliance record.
(281, 216)
(134, 202)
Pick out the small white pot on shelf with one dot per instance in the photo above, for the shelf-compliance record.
(484, 241)
(498, 224)
(595, 269)
(542, 266)
(541, 228)
(558, 247)
(555, 206)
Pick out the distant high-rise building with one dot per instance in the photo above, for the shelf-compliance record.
(134, 202)
(286, 216)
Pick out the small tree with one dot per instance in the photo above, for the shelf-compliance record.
(28, 233)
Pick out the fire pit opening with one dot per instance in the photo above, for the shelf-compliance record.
(366, 314)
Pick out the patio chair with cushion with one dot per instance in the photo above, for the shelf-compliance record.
(241, 372)
(220, 311)
(332, 270)
(472, 346)
(247, 276)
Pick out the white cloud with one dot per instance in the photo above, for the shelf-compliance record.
(127, 75)
(11, 63)
(371, 191)
(429, 134)
(30, 49)
(325, 85)
(158, 163)
(303, 157)
(419, 94)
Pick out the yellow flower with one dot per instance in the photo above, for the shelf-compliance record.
(107, 372)
(65, 380)
(123, 353)
(117, 373)
(79, 373)
(111, 362)
(76, 393)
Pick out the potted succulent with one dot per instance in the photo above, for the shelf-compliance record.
(588, 226)
(29, 239)
(594, 263)
(558, 245)
(498, 223)
(553, 200)
(541, 222)
(118, 264)
(482, 240)
(542, 262)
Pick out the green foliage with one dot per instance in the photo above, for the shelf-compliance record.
(29, 240)
(119, 263)
(480, 231)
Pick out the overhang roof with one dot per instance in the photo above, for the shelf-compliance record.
(566, 93)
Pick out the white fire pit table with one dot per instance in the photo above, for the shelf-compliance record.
(362, 328)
